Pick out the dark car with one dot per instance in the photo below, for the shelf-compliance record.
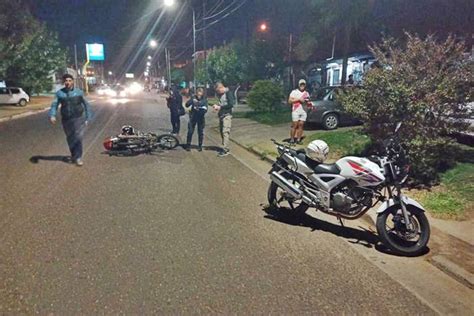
(327, 111)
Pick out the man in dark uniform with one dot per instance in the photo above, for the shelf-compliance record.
(75, 115)
(175, 104)
(198, 108)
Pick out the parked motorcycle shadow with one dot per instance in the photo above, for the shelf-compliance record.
(360, 236)
(36, 159)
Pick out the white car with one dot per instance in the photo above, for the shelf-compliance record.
(12, 95)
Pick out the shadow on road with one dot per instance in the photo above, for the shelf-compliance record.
(207, 148)
(359, 236)
(65, 159)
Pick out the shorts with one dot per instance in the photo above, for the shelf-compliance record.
(299, 115)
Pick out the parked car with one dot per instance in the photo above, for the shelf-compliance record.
(14, 95)
(327, 111)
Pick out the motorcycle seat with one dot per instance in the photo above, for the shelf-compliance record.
(319, 168)
(327, 169)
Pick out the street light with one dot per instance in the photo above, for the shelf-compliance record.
(153, 43)
(150, 58)
(263, 27)
(170, 3)
(110, 73)
(148, 63)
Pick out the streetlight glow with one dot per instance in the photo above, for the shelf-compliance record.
(148, 63)
(149, 57)
(263, 27)
(153, 43)
(168, 3)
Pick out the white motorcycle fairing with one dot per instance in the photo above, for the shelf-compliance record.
(408, 201)
(365, 172)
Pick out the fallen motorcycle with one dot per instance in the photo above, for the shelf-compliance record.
(351, 187)
(133, 142)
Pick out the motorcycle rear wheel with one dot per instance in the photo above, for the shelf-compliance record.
(399, 240)
(167, 141)
(276, 198)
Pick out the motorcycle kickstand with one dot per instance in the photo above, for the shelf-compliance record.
(291, 205)
(340, 221)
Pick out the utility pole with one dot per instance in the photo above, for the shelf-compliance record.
(84, 71)
(205, 43)
(290, 51)
(77, 68)
(168, 66)
(194, 48)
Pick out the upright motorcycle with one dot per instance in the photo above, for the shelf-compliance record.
(351, 187)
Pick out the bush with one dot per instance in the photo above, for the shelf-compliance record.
(265, 96)
(423, 84)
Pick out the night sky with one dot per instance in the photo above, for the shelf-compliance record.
(125, 26)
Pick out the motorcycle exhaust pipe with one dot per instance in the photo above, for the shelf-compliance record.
(286, 185)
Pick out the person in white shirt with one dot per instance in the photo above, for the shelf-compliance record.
(297, 99)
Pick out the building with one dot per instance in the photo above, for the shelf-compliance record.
(329, 72)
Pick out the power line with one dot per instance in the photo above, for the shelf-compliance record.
(222, 11)
(223, 17)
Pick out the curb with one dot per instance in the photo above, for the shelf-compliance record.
(24, 114)
(453, 270)
(255, 152)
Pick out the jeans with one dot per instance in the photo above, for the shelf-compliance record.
(200, 120)
(225, 123)
(175, 122)
(74, 129)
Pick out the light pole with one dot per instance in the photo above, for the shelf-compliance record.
(170, 3)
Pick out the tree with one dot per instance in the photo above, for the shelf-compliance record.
(266, 59)
(177, 75)
(30, 53)
(202, 76)
(423, 84)
(265, 96)
(224, 65)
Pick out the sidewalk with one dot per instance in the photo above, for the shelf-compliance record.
(37, 103)
(451, 243)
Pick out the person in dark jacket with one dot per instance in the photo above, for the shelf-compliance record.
(175, 104)
(75, 115)
(224, 111)
(197, 105)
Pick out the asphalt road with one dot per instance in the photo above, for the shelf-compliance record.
(176, 232)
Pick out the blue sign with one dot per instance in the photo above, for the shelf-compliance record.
(95, 52)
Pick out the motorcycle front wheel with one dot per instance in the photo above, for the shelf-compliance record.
(278, 198)
(167, 141)
(393, 233)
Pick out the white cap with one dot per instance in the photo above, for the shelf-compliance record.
(302, 81)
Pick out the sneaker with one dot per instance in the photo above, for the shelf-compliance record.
(187, 147)
(299, 142)
(223, 153)
(79, 162)
(200, 148)
(291, 141)
(67, 159)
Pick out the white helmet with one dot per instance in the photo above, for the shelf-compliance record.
(317, 150)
